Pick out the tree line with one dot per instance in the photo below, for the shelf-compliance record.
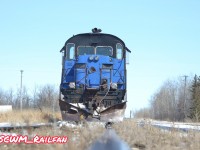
(40, 97)
(175, 100)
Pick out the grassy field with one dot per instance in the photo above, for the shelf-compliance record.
(81, 137)
(30, 116)
(151, 138)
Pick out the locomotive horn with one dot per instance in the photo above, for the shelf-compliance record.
(95, 30)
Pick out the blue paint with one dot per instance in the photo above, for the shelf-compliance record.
(92, 79)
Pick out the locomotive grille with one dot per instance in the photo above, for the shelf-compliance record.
(107, 66)
(80, 66)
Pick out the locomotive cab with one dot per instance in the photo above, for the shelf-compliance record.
(93, 76)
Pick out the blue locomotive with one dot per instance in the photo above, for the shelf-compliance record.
(93, 82)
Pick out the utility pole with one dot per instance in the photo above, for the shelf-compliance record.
(21, 90)
(184, 104)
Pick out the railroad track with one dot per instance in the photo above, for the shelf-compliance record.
(9, 127)
(165, 125)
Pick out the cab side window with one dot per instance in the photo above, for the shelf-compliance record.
(70, 51)
(119, 51)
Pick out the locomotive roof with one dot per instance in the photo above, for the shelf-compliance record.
(95, 39)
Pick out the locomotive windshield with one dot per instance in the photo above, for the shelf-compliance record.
(99, 50)
(85, 50)
(104, 50)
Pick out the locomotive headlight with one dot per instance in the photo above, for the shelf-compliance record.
(72, 85)
(113, 86)
(91, 58)
(96, 58)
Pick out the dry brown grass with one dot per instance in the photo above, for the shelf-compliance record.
(151, 138)
(29, 116)
(80, 138)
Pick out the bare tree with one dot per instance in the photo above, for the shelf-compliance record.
(46, 96)
(171, 101)
(164, 101)
(9, 97)
(2, 97)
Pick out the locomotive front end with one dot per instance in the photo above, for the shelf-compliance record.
(93, 83)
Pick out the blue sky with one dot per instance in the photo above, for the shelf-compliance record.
(164, 36)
